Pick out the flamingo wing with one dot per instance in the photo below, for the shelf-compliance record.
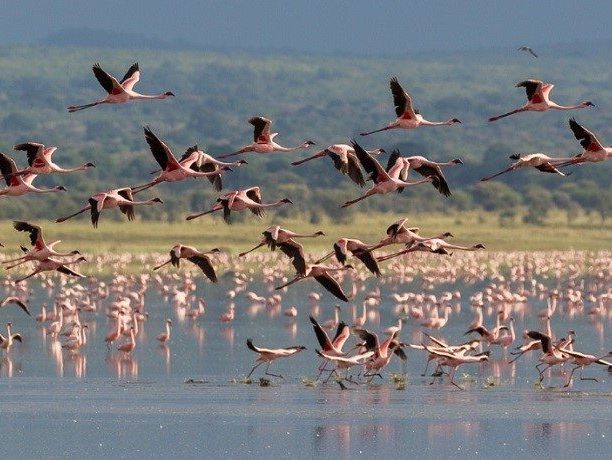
(261, 133)
(108, 82)
(587, 139)
(33, 149)
(68, 271)
(35, 232)
(204, 263)
(369, 261)
(295, 252)
(370, 164)
(343, 332)
(161, 152)
(401, 100)
(371, 339)
(439, 182)
(8, 168)
(322, 336)
(332, 286)
(532, 88)
(354, 171)
(131, 77)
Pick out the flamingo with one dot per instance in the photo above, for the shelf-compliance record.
(398, 233)
(594, 151)
(41, 250)
(15, 301)
(172, 169)
(581, 360)
(7, 342)
(51, 264)
(454, 360)
(538, 100)
(165, 336)
(264, 140)
(114, 333)
(356, 247)
(17, 185)
(128, 346)
(383, 352)
(200, 161)
(267, 355)
(384, 182)
(194, 256)
(424, 167)
(120, 197)
(407, 116)
(552, 355)
(321, 274)
(118, 91)
(433, 245)
(539, 161)
(344, 159)
(275, 236)
(239, 200)
(39, 160)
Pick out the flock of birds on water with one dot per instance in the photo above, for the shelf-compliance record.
(365, 359)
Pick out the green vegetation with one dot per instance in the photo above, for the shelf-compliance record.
(209, 232)
(329, 99)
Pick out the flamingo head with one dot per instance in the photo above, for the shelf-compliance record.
(479, 246)
(157, 200)
(168, 93)
(588, 104)
(241, 162)
(309, 142)
(320, 233)
(75, 253)
(90, 165)
(457, 161)
(448, 235)
(286, 200)
(61, 188)
(455, 120)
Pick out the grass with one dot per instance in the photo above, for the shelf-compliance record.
(209, 232)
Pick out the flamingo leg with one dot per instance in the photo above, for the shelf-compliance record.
(62, 219)
(242, 254)
(76, 108)
(506, 114)
(270, 374)
(511, 168)
(254, 367)
(377, 130)
(160, 266)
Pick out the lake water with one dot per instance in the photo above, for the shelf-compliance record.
(98, 403)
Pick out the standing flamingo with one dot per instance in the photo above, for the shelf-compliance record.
(538, 100)
(407, 116)
(264, 140)
(118, 91)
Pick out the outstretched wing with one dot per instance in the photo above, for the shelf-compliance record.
(127, 209)
(204, 263)
(439, 182)
(295, 252)
(332, 286)
(108, 82)
(261, 133)
(36, 237)
(531, 88)
(8, 168)
(354, 171)
(161, 152)
(587, 138)
(31, 148)
(131, 77)
(401, 100)
(369, 163)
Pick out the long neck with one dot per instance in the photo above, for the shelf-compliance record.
(280, 148)
(310, 235)
(270, 205)
(147, 96)
(67, 170)
(31, 188)
(147, 202)
(436, 123)
(168, 330)
(408, 184)
(554, 105)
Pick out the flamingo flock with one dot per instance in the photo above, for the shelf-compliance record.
(372, 351)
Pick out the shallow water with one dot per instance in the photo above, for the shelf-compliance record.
(98, 403)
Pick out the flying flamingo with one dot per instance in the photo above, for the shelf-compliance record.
(200, 161)
(118, 91)
(39, 160)
(434, 245)
(594, 151)
(344, 159)
(356, 247)
(194, 256)
(527, 49)
(240, 200)
(407, 116)
(275, 236)
(267, 355)
(40, 250)
(264, 140)
(321, 274)
(15, 301)
(581, 360)
(383, 182)
(383, 352)
(328, 346)
(51, 264)
(539, 161)
(18, 185)
(424, 167)
(538, 100)
(172, 170)
(119, 197)
(552, 355)
(398, 233)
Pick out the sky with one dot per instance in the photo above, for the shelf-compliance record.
(359, 27)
